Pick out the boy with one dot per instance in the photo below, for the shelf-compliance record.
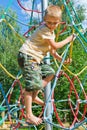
(36, 73)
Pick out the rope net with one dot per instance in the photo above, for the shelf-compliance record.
(68, 91)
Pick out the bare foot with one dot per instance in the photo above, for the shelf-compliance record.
(34, 120)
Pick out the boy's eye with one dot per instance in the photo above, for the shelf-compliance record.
(52, 23)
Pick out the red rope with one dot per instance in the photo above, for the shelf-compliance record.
(84, 94)
(20, 97)
(75, 113)
(27, 9)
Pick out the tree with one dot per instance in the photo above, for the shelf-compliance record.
(10, 42)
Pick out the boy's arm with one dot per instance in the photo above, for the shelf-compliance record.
(57, 45)
(58, 57)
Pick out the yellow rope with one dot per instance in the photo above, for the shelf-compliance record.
(74, 73)
(9, 74)
(13, 30)
(77, 74)
(56, 62)
(42, 127)
(57, 35)
(71, 45)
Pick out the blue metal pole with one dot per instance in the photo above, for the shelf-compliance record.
(48, 88)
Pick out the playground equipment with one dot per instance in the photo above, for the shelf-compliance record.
(74, 102)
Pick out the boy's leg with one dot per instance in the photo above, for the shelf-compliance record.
(29, 70)
(36, 99)
(28, 106)
(39, 101)
(47, 73)
(47, 80)
(32, 96)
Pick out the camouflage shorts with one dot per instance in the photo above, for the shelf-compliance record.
(33, 73)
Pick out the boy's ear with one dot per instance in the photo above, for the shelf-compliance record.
(62, 7)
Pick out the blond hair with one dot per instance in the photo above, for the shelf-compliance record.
(53, 11)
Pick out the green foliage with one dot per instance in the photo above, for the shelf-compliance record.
(9, 46)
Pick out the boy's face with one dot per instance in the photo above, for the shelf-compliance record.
(52, 23)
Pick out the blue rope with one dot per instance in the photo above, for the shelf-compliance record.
(4, 97)
(55, 80)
